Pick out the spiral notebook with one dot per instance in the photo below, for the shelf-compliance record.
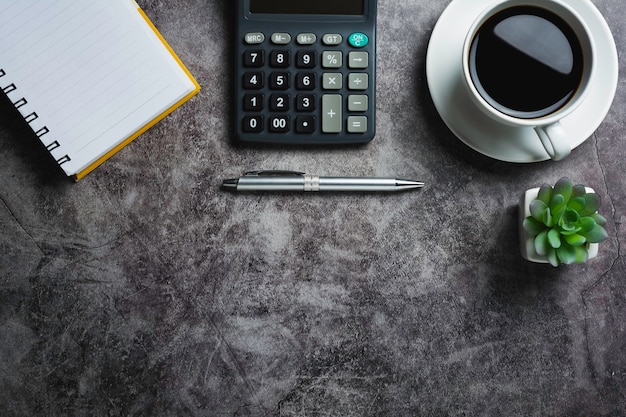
(87, 76)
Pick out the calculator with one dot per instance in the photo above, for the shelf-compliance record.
(305, 71)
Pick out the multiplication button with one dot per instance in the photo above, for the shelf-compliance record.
(332, 81)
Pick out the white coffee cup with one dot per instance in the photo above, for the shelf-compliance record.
(549, 130)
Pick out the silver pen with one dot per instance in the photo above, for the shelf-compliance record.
(299, 181)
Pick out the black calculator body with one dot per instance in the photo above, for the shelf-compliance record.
(305, 71)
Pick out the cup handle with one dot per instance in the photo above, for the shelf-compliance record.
(554, 140)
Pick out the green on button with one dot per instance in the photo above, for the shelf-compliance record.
(358, 40)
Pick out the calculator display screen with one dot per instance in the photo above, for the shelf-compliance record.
(328, 7)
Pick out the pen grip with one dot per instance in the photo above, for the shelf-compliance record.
(271, 184)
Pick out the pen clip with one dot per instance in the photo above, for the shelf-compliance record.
(274, 173)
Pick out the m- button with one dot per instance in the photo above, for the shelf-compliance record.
(281, 38)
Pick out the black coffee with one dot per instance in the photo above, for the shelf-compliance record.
(526, 61)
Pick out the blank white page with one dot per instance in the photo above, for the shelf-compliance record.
(92, 73)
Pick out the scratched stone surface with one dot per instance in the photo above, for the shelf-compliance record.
(145, 290)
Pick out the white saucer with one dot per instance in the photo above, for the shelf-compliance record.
(483, 134)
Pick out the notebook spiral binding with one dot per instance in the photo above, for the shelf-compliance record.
(31, 118)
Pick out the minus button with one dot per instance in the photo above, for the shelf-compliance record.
(358, 102)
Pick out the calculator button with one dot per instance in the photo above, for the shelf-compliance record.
(358, 40)
(358, 103)
(253, 124)
(306, 59)
(306, 38)
(331, 113)
(332, 81)
(254, 38)
(358, 81)
(254, 58)
(305, 124)
(279, 80)
(332, 39)
(358, 60)
(281, 38)
(357, 124)
(279, 124)
(279, 102)
(305, 81)
(332, 59)
(280, 59)
(253, 80)
(305, 102)
(253, 102)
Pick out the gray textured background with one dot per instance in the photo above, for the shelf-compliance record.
(146, 290)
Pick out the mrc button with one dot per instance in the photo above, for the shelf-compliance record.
(254, 38)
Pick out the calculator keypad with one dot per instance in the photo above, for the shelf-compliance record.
(306, 88)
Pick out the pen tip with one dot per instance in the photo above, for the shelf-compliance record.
(231, 183)
(408, 184)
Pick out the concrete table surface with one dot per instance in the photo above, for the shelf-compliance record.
(146, 290)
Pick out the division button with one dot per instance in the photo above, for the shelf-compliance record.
(358, 81)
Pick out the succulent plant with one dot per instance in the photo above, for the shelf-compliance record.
(564, 220)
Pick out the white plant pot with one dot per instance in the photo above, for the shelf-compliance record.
(527, 245)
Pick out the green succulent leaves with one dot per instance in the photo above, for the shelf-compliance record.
(564, 220)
